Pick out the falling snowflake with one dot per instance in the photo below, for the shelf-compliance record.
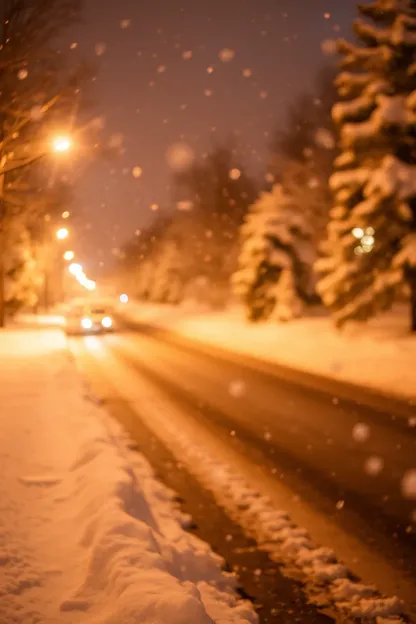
(187, 55)
(185, 205)
(360, 432)
(247, 72)
(329, 47)
(161, 69)
(408, 484)
(100, 48)
(340, 505)
(234, 174)
(154, 207)
(22, 74)
(313, 183)
(226, 55)
(237, 388)
(125, 23)
(137, 172)
(180, 156)
(269, 177)
(210, 70)
(324, 138)
(73, 46)
(208, 92)
(412, 421)
(373, 465)
(263, 95)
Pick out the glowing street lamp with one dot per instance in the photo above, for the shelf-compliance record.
(62, 233)
(69, 255)
(75, 269)
(65, 214)
(61, 143)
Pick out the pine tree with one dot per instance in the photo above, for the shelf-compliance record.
(370, 246)
(275, 257)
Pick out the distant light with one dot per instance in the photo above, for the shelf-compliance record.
(86, 323)
(367, 240)
(61, 144)
(107, 322)
(89, 284)
(358, 232)
(69, 255)
(75, 268)
(65, 214)
(62, 233)
(124, 298)
(370, 231)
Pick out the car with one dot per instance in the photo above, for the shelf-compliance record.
(90, 318)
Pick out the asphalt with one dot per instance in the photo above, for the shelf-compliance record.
(304, 430)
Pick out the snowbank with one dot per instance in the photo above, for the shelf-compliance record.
(379, 355)
(87, 533)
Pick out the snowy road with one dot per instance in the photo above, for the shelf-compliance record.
(335, 465)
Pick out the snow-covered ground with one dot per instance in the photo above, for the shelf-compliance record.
(87, 534)
(379, 355)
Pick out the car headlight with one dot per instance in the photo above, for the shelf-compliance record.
(107, 322)
(86, 323)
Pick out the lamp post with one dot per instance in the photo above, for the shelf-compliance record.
(58, 144)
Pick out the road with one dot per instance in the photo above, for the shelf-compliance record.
(344, 460)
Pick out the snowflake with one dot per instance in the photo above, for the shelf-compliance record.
(234, 174)
(361, 432)
(373, 465)
(100, 48)
(226, 55)
(408, 484)
(180, 156)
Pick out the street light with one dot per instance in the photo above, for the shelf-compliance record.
(75, 269)
(69, 255)
(61, 143)
(62, 233)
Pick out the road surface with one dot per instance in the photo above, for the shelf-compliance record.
(342, 460)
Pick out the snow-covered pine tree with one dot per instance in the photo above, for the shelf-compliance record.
(275, 246)
(370, 247)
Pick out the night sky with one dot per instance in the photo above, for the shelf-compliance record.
(160, 80)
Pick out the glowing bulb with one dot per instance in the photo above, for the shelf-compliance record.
(62, 233)
(124, 298)
(69, 255)
(75, 268)
(61, 144)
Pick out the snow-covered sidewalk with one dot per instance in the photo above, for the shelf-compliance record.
(380, 355)
(87, 534)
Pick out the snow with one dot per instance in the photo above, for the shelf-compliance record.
(379, 355)
(87, 533)
(272, 528)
